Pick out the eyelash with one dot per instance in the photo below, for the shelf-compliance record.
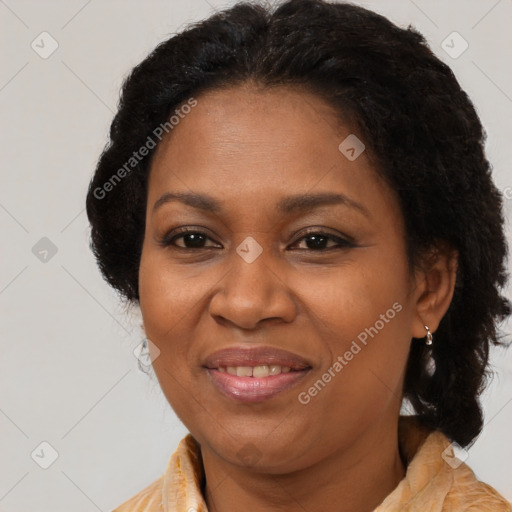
(168, 241)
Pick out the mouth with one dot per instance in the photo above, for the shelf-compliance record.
(255, 374)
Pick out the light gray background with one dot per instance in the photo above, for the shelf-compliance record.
(68, 373)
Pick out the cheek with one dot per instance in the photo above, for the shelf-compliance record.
(169, 294)
(174, 302)
(347, 299)
(363, 315)
(168, 301)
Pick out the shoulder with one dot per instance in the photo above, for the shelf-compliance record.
(147, 500)
(469, 494)
(465, 493)
(436, 479)
(179, 487)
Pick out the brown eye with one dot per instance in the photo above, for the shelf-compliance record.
(322, 241)
(191, 240)
(316, 241)
(188, 239)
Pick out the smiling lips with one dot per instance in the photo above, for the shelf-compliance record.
(255, 371)
(255, 374)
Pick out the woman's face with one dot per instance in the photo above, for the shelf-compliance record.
(282, 257)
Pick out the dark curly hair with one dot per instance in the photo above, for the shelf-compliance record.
(418, 125)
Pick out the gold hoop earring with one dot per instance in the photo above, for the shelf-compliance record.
(429, 337)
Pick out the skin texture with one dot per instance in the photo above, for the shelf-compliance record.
(249, 148)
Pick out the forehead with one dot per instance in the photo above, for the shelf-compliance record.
(250, 142)
(248, 121)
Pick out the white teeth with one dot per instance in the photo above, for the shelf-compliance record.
(258, 372)
(274, 369)
(244, 371)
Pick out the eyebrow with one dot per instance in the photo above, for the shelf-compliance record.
(299, 203)
(306, 202)
(199, 201)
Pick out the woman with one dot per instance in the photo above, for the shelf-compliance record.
(299, 202)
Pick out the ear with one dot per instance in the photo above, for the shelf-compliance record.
(435, 284)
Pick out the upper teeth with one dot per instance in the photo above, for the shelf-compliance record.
(255, 371)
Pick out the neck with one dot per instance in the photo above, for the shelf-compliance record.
(355, 479)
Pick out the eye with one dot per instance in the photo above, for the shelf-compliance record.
(188, 239)
(318, 241)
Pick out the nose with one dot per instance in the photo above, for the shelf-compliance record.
(252, 293)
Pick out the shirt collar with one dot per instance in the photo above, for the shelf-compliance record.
(434, 477)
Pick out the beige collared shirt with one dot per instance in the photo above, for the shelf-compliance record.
(435, 481)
